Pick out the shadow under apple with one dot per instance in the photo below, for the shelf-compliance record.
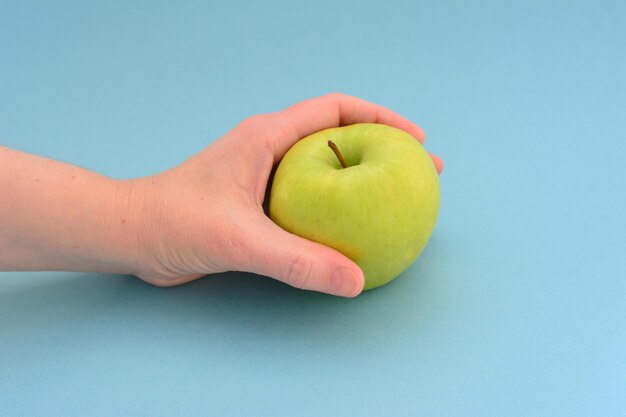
(230, 310)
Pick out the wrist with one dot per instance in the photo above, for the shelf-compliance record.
(127, 225)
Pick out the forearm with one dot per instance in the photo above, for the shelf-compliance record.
(56, 216)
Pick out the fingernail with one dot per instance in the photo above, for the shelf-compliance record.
(343, 282)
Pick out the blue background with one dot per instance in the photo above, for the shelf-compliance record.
(516, 307)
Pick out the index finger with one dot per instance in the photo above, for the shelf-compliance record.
(335, 110)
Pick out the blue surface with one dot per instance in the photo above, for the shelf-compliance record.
(517, 306)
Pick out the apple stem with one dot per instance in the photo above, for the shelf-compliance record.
(335, 149)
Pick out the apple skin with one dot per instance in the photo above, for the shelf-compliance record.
(380, 211)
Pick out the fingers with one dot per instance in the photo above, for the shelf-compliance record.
(438, 162)
(334, 110)
(299, 262)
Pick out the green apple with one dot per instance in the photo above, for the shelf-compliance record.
(380, 210)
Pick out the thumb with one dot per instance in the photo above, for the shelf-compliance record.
(299, 262)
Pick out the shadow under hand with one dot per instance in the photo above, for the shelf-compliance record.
(237, 303)
(232, 311)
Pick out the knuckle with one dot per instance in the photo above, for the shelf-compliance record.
(260, 129)
(253, 122)
(335, 96)
(299, 273)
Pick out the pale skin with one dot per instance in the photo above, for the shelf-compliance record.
(201, 217)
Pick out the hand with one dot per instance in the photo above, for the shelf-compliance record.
(206, 215)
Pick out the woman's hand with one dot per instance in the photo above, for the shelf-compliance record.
(206, 215)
